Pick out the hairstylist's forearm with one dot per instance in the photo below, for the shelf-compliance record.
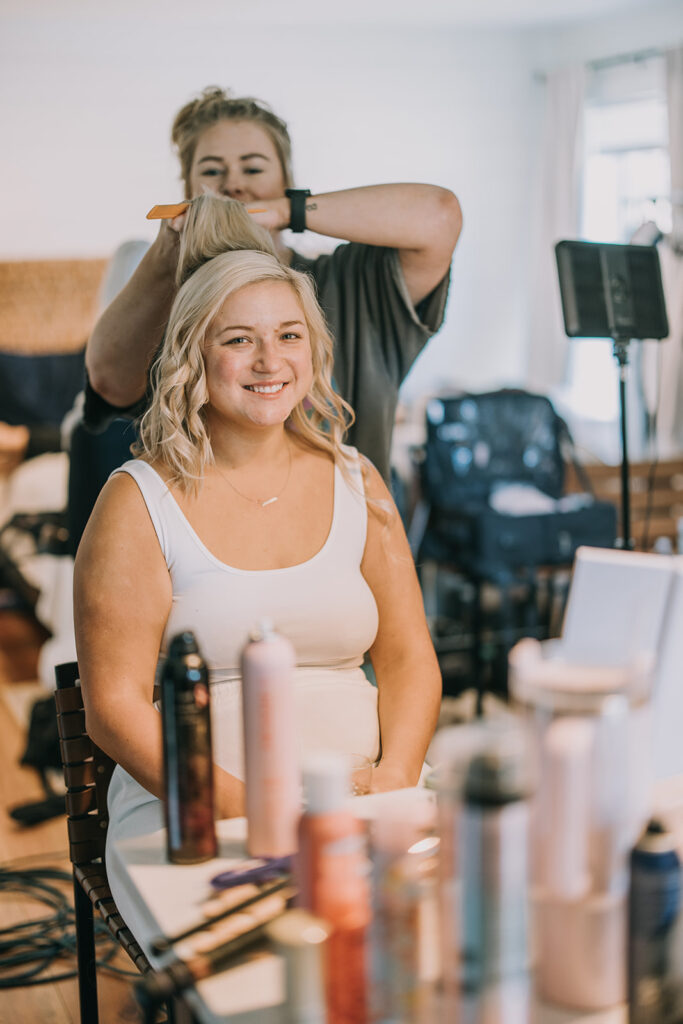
(422, 222)
(127, 335)
(403, 216)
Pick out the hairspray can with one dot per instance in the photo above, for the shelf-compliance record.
(188, 762)
(494, 839)
(654, 978)
(270, 753)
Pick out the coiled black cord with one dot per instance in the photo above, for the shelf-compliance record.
(29, 948)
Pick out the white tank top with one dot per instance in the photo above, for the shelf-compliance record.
(323, 605)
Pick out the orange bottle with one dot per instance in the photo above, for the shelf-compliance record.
(332, 876)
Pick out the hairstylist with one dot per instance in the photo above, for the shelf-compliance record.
(383, 294)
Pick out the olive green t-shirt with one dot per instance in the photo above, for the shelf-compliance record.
(378, 334)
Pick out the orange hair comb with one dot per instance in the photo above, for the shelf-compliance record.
(167, 212)
(171, 210)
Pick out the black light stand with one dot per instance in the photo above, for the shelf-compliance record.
(613, 291)
(620, 352)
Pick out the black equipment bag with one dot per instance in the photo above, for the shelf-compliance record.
(476, 441)
(42, 742)
(508, 436)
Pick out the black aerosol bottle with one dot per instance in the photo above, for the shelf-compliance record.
(188, 763)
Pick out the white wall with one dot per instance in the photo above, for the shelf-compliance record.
(89, 93)
(659, 25)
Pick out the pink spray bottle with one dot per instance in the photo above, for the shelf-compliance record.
(270, 753)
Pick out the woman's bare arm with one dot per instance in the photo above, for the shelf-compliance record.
(122, 597)
(403, 657)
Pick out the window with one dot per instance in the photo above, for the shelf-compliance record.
(626, 182)
(626, 177)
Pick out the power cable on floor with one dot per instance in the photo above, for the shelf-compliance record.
(29, 948)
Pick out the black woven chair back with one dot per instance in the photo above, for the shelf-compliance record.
(87, 772)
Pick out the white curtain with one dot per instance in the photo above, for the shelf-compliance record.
(557, 217)
(674, 92)
(670, 412)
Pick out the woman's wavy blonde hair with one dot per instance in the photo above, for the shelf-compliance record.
(173, 430)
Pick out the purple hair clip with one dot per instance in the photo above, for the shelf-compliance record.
(259, 870)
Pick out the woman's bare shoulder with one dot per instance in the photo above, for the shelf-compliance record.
(120, 515)
(373, 482)
(121, 487)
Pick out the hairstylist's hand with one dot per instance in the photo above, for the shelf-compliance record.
(272, 214)
(13, 445)
(177, 223)
(167, 243)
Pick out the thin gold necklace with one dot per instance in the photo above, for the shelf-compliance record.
(261, 502)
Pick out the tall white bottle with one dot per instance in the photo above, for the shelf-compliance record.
(270, 754)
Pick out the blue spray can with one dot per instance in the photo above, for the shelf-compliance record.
(654, 978)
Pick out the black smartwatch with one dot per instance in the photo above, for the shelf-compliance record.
(297, 208)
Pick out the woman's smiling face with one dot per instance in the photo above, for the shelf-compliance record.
(257, 355)
(236, 159)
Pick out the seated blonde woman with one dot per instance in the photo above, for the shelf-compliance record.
(244, 503)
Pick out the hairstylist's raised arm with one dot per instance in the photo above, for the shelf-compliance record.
(422, 221)
(129, 331)
(403, 657)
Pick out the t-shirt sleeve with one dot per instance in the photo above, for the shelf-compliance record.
(365, 297)
(98, 413)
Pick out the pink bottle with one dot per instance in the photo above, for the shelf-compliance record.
(270, 753)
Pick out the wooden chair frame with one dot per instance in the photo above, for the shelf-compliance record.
(87, 772)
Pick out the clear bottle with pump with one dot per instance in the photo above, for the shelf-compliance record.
(332, 876)
(188, 762)
(272, 777)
